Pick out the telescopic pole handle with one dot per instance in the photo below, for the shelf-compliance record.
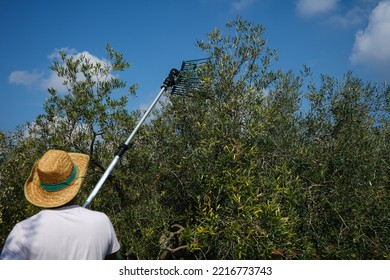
(101, 181)
(168, 82)
(121, 151)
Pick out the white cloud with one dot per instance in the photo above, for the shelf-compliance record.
(315, 7)
(25, 78)
(353, 17)
(241, 5)
(53, 81)
(56, 53)
(372, 45)
(43, 80)
(56, 82)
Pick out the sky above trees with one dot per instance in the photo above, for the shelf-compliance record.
(330, 36)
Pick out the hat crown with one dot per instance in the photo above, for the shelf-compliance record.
(54, 167)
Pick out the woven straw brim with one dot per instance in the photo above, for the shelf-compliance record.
(36, 195)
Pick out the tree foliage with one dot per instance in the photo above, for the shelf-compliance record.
(255, 163)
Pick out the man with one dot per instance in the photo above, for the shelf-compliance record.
(62, 230)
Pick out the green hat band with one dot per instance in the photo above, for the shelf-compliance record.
(60, 186)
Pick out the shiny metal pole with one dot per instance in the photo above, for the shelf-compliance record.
(169, 81)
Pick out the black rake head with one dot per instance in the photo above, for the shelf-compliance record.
(188, 79)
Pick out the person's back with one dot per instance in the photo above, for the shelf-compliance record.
(69, 232)
(61, 230)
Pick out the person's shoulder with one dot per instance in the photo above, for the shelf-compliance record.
(93, 213)
(29, 221)
(33, 218)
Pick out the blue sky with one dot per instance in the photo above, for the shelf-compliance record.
(330, 36)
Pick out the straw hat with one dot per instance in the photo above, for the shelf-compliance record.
(56, 178)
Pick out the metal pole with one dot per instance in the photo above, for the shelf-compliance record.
(169, 81)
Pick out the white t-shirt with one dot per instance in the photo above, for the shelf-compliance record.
(70, 232)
